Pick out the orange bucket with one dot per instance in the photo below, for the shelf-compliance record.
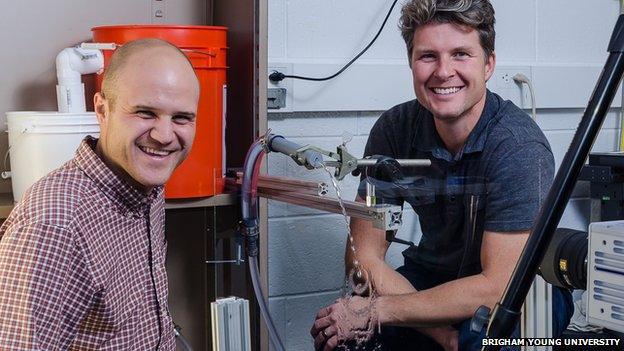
(201, 174)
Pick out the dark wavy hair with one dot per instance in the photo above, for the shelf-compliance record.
(477, 14)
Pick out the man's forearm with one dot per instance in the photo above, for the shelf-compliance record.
(385, 280)
(458, 299)
(442, 305)
(371, 247)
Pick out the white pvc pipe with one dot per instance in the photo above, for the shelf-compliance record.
(71, 63)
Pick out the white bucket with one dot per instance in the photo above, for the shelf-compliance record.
(40, 142)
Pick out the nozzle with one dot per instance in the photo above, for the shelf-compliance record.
(311, 159)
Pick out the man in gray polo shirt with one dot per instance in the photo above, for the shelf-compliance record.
(491, 168)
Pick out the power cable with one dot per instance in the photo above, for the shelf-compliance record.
(277, 76)
(521, 78)
(185, 343)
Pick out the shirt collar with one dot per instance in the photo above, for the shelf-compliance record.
(118, 190)
(431, 141)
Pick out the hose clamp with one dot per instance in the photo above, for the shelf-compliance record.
(251, 232)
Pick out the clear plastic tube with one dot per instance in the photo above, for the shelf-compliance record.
(249, 210)
(264, 310)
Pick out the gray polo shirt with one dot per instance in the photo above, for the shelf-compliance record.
(495, 183)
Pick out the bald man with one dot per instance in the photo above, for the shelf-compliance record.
(82, 256)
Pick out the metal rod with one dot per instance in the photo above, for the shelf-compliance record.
(403, 162)
(312, 195)
(354, 209)
(320, 190)
(285, 184)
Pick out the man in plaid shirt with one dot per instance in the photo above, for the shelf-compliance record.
(82, 256)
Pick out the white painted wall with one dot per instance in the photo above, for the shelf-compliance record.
(562, 43)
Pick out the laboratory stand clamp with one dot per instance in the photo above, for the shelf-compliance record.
(383, 216)
(314, 194)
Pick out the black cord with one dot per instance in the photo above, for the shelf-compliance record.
(277, 76)
(185, 344)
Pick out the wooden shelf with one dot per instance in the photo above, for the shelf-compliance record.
(6, 202)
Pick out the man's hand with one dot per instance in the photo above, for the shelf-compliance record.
(349, 318)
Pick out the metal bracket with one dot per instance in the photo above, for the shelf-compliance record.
(386, 217)
(276, 98)
(383, 216)
(348, 163)
(239, 257)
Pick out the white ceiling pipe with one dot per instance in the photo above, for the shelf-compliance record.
(71, 63)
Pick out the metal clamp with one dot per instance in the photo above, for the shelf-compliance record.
(345, 163)
(250, 232)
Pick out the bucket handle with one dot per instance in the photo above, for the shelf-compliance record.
(210, 52)
(36, 129)
(59, 125)
(6, 174)
(113, 46)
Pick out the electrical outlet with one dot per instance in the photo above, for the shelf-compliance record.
(278, 68)
(158, 11)
(285, 68)
(503, 84)
(503, 76)
(506, 80)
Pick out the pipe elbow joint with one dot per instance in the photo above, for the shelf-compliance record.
(71, 63)
(65, 73)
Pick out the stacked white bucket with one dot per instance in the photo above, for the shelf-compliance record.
(40, 142)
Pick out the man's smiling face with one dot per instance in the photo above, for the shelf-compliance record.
(449, 70)
(149, 129)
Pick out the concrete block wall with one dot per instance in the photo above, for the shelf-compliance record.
(562, 41)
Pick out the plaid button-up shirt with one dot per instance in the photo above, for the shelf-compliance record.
(82, 264)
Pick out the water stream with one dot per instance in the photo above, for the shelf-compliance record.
(357, 283)
(334, 182)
